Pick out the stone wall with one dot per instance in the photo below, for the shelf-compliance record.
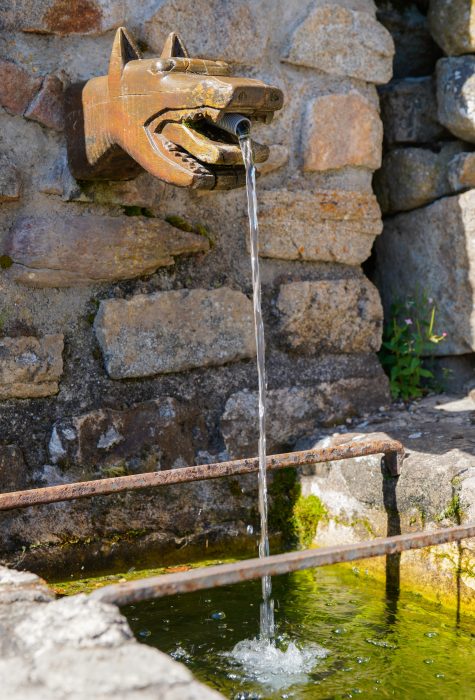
(425, 184)
(125, 313)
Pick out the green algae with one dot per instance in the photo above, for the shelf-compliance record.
(382, 643)
(308, 512)
(87, 584)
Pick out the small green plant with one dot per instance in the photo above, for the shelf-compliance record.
(116, 470)
(308, 512)
(408, 338)
(454, 510)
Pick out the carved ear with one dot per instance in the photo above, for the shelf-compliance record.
(124, 50)
(174, 47)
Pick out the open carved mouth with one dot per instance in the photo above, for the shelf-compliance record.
(192, 140)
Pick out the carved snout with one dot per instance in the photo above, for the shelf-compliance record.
(174, 116)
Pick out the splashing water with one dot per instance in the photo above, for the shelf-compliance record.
(276, 668)
(267, 606)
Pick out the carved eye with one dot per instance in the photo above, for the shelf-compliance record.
(163, 65)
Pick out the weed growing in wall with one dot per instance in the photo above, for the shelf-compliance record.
(408, 338)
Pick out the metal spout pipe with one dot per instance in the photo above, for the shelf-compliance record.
(235, 124)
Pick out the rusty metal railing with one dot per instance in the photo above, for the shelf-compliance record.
(226, 574)
(392, 450)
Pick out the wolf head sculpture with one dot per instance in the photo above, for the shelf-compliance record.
(162, 115)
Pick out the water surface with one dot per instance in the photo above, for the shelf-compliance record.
(350, 640)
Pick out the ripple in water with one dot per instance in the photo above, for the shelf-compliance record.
(263, 661)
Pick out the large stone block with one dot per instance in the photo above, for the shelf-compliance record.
(413, 177)
(416, 51)
(409, 111)
(158, 434)
(452, 24)
(30, 367)
(13, 470)
(432, 250)
(342, 315)
(62, 17)
(341, 131)
(174, 331)
(296, 412)
(456, 96)
(461, 172)
(10, 183)
(17, 86)
(343, 42)
(328, 226)
(231, 30)
(61, 252)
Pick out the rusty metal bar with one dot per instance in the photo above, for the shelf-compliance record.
(392, 450)
(226, 574)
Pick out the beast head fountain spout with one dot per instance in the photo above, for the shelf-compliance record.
(176, 117)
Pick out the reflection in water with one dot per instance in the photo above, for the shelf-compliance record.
(378, 646)
(393, 561)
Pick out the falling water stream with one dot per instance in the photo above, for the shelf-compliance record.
(267, 605)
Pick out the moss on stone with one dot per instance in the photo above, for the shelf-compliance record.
(5, 262)
(138, 211)
(284, 492)
(308, 512)
(91, 583)
(180, 223)
(453, 511)
(184, 225)
(115, 470)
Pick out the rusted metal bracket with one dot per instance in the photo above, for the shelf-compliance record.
(226, 574)
(392, 450)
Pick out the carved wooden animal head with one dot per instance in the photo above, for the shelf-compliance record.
(161, 115)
